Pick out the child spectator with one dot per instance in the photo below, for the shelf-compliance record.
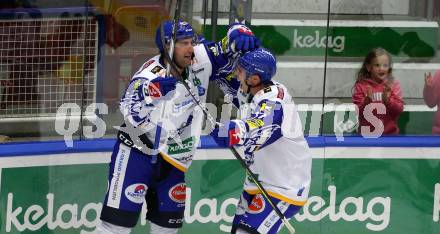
(432, 97)
(375, 85)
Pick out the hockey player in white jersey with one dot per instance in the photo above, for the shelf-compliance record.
(140, 171)
(270, 137)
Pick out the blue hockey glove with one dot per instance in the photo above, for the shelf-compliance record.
(241, 38)
(225, 135)
(161, 86)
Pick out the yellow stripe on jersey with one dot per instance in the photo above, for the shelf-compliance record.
(278, 196)
(173, 162)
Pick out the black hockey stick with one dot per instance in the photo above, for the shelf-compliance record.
(172, 65)
(169, 57)
(238, 157)
(263, 190)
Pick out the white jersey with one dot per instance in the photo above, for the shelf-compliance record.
(271, 139)
(182, 122)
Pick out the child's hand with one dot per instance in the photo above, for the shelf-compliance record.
(368, 94)
(429, 79)
(386, 94)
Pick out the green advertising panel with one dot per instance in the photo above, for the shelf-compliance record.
(348, 195)
(344, 41)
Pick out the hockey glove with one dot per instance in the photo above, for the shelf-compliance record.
(241, 38)
(161, 86)
(225, 135)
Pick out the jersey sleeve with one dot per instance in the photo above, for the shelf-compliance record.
(136, 105)
(223, 65)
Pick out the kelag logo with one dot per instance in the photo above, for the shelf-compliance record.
(316, 40)
(374, 214)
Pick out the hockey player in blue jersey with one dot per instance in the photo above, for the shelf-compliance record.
(138, 170)
(270, 137)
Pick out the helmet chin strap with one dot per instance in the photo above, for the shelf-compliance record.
(248, 76)
(178, 66)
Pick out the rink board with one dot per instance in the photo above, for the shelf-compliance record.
(360, 186)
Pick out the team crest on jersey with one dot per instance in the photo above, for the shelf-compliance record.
(136, 192)
(256, 138)
(214, 50)
(257, 204)
(267, 107)
(178, 193)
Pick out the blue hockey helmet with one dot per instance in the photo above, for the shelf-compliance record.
(259, 62)
(184, 30)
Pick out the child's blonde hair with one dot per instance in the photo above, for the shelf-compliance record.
(374, 53)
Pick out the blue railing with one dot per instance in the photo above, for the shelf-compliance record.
(103, 145)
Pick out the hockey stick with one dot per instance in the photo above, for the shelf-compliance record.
(169, 57)
(239, 158)
(263, 190)
(171, 65)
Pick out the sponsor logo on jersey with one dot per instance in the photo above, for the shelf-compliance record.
(154, 90)
(185, 159)
(147, 64)
(255, 123)
(267, 89)
(233, 137)
(156, 69)
(180, 105)
(230, 76)
(175, 221)
(136, 192)
(185, 147)
(300, 192)
(280, 93)
(214, 50)
(136, 84)
(178, 193)
(201, 90)
(196, 81)
(198, 70)
(266, 108)
(257, 204)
